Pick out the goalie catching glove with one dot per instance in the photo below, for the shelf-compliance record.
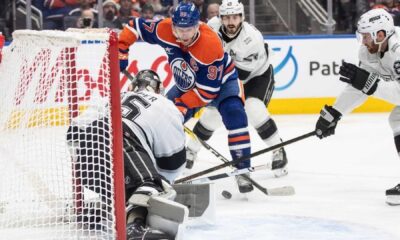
(359, 78)
(327, 122)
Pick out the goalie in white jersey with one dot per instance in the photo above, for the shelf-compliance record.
(245, 44)
(154, 153)
(378, 75)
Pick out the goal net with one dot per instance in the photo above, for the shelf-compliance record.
(59, 180)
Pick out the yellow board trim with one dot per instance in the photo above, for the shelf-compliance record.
(314, 105)
(59, 116)
(47, 117)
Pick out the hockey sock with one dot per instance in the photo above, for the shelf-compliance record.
(235, 120)
(269, 132)
(202, 132)
(397, 143)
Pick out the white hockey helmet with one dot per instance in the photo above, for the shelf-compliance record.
(230, 7)
(376, 20)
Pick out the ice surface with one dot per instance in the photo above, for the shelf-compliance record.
(340, 185)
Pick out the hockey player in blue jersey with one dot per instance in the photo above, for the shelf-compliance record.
(204, 75)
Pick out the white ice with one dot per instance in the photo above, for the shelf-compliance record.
(340, 185)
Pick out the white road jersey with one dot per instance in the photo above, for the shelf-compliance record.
(388, 67)
(157, 123)
(247, 49)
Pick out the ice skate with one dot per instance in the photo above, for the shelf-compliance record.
(243, 183)
(279, 162)
(393, 196)
(137, 230)
(191, 156)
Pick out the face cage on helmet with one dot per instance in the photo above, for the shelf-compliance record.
(372, 35)
(152, 85)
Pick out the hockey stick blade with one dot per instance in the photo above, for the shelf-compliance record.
(278, 191)
(215, 168)
(281, 191)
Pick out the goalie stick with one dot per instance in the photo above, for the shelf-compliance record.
(215, 168)
(286, 190)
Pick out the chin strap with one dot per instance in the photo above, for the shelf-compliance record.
(380, 44)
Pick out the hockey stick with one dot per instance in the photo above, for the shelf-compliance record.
(215, 168)
(129, 76)
(278, 191)
(228, 174)
(287, 190)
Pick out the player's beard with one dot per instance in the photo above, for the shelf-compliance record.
(372, 48)
(232, 29)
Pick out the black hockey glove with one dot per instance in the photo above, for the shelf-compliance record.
(327, 122)
(359, 78)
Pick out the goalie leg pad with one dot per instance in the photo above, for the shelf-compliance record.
(144, 193)
(167, 216)
(200, 200)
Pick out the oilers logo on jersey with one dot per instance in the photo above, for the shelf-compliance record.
(183, 74)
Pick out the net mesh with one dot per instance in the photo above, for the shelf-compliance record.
(56, 137)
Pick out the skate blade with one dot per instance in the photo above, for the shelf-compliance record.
(393, 200)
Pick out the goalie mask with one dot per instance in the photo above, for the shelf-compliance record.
(147, 80)
(371, 23)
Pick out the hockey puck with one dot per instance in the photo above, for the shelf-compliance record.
(226, 194)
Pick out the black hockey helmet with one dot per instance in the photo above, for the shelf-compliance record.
(147, 80)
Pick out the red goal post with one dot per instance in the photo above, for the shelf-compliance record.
(50, 80)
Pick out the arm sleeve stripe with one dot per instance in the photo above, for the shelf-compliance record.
(206, 94)
(138, 28)
(133, 30)
(207, 88)
(201, 97)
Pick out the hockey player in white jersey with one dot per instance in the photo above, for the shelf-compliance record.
(245, 44)
(154, 154)
(377, 75)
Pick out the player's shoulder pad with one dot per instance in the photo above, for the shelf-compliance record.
(164, 31)
(251, 31)
(214, 23)
(208, 48)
